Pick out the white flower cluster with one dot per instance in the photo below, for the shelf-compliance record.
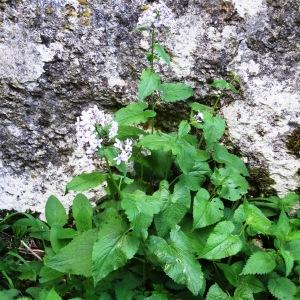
(157, 15)
(86, 135)
(199, 117)
(125, 148)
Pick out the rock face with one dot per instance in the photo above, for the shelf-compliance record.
(58, 57)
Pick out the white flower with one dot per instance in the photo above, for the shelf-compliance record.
(125, 148)
(199, 117)
(86, 135)
(157, 15)
(145, 152)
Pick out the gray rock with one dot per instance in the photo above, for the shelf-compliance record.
(58, 57)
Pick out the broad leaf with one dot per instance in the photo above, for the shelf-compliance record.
(184, 128)
(172, 92)
(216, 293)
(256, 219)
(288, 260)
(86, 181)
(282, 288)
(55, 212)
(133, 114)
(82, 212)
(149, 83)
(76, 257)
(260, 263)
(206, 211)
(161, 53)
(114, 247)
(175, 209)
(52, 295)
(221, 242)
(231, 185)
(177, 262)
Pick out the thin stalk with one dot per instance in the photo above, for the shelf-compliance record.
(112, 178)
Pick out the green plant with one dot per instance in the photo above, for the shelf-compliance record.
(175, 222)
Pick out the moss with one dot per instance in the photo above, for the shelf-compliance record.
(293, 142)
(260, 183)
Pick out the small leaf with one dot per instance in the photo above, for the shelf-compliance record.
(221, 242)
(216, 293)
(114, 247)
(232, 272)
(149, 83)
(76, 257)
(172, 92)
(55, 212)
(82, 212)
(177, 262)
(206, 211)
(161, 53)
(184, 129)
(52, 295)
(282, 288)
(260, 263)
(86, 181)
(133, 114)
(222, 84)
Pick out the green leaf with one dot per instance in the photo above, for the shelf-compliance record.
(9, 294)
(231, 185)
(52, 295)
(172, 92)
(221, 155)
(161, 141)
(86, 181)
(282, 229)
(140, 209)
(260, 263)
(58, 236)
(125, 132)
(177, 262)
(76, 257)
(47, 274)
(82, 212)
(206, 211)
(232, 272)
(195, 106)
(288, 260)
(126, 289)
(222, 84)
(213, 128)
(193, 183)
(282, 288)
(221, 242)
(114, 247)
(184, 128)
(55, 212)
(294, 248)
(243, 292)
(149, 83)
(134, 113)
(256, 219)
(161, 53)
(216, 293)
(174, 210)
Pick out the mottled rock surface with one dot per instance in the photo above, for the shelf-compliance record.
(58, 57)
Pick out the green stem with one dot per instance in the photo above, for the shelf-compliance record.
(112, 178)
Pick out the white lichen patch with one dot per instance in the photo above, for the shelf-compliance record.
(248, 7)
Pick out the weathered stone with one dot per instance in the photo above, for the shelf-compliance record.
(59, 56)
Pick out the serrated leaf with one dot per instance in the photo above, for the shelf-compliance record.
(231, 272)
(221, 155)
(260, 263)
(206, 211)
(256, 219)
(149, 83)
(221, 242)
(47, 274)
(282, 229)
(82, 213)
(161, 53)
(200, 107)
(55, 212)
(231, 185)
(294, 248)
(172, 92)
(86, 181)
(222, 84)
(76, 257)
(140, 209)
(133, 114)
(216, 293)
(288, 260)
(114, 247)
(176, 262)
(213, 128)
(175, 209)
(282, 288)
(192, 182)
(243, 292)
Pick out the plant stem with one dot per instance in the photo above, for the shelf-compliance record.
(112, 178)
